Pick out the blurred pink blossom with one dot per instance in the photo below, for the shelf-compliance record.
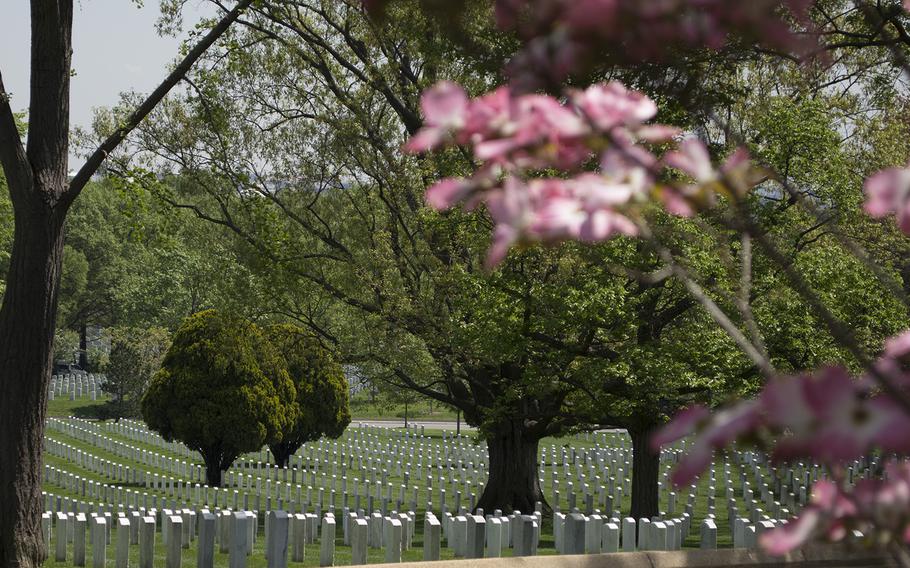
(445, 108)
(826, 417)
(888, 192)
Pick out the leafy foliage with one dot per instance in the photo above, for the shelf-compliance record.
(322, 390)
(222, 390)
(135, 356)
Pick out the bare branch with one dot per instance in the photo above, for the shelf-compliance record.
(97, 158)
(745, 293)
(716, 313)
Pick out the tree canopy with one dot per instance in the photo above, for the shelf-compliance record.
(322, 390)
(222, 390)
(135, 356)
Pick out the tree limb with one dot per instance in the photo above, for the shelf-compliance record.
(13, 158)
(97, 158)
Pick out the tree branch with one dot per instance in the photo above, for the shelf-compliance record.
(97, 158)
(13, 158)
(716, 313)
(49, 103)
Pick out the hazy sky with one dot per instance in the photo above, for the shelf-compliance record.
(115, 49)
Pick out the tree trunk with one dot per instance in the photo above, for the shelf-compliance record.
(212, 469)
(645, 473)
(83, 346)
(512, 483)
(27, 321)
(282, 452)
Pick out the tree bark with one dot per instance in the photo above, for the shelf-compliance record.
(512, 483)
(282, 452)
(27, 322)
(645, 473)
(83, 346)
(212, 469)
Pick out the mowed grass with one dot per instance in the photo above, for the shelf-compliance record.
(363, 407)
(85, 408)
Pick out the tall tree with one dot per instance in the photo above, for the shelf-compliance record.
(41, 194)
(555, 340)
(322, 390)
(403, 290)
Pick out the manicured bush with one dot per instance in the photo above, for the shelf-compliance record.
(322, 390)
(222, 390)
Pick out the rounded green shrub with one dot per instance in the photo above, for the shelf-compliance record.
(322, 390)
(222, 390)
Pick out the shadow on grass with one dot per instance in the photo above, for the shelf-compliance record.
(98, 411)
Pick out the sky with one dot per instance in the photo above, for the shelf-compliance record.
(115, 49)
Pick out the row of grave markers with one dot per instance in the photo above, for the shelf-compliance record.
(243, 482)
(76, 386)
(590, 478)
(287, 535)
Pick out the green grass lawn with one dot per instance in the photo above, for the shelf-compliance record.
(363, 408)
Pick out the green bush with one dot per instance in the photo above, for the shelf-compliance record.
(222, 390)
(322, 390)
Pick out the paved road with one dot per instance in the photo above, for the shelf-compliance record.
(428, 424)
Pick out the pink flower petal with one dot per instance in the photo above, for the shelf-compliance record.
(693, 159)
(603, 224)
(682, 425)
(503, 239)
(610, 105)
(890, 425)
(447, 192)
(444, 104)
(425, 140)
(887, 192)
(693, 462)
(792, 535)
(675, 203)
(657, 133)
(897, 346)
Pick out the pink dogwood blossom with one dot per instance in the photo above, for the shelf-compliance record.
(445, 108)
(827, 417)
(888, 192)
(515, 136)
(612, 104)
(881, 506)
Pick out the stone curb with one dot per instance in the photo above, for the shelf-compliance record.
(823, 556)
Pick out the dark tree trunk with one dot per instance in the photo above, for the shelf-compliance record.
(213, 469)
(27, 321)
(41, 193)
(512, 483)
(645, 473)
(83, 346)
(282, 452)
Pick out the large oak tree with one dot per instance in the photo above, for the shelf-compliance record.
(555, 340)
